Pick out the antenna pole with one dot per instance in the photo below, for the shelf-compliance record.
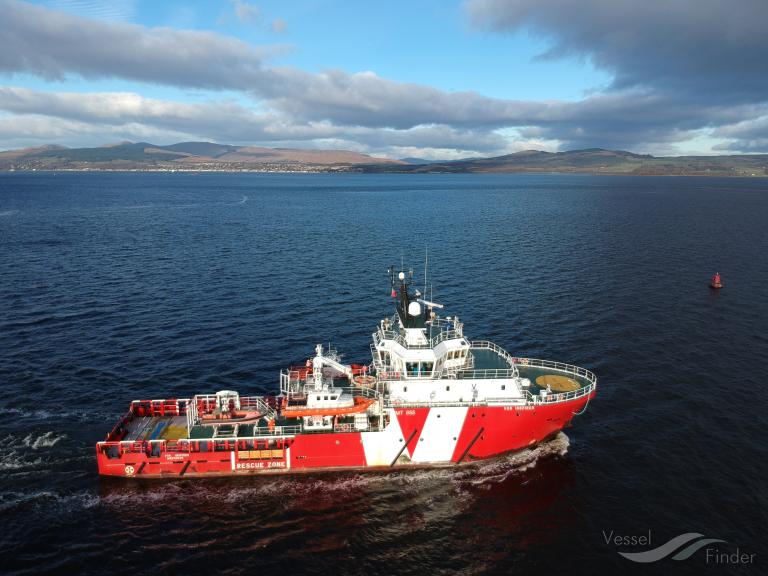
(426, 260)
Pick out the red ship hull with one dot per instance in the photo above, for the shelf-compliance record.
(413, 436)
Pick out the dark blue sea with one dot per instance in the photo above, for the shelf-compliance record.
(115, 287)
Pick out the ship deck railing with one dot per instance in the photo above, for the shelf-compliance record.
(386, 374)
(156, 448)
(586, 377)
(487, 374)
(265, 438)
(398, 404)
(296, 382)
(554, 397)
(397, 336)
(209, 402)
(505, 356)
(527, 400)
(558, 367)
(561, 367)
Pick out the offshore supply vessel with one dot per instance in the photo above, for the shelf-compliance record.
(430, 397)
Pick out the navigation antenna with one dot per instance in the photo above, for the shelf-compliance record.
(426, 260)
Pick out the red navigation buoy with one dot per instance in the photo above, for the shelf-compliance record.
(715, 282)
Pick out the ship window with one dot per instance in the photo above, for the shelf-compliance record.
(405, 388)
(318, 397)
(503, 386)
(427, 367)
(333, 397)
(447, 388)
(325, 397)
(412, 368)
(451, 355)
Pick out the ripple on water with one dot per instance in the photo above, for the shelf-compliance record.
(125, 286)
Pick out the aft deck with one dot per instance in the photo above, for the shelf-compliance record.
(156, 428)
(149, 428)
(159, 421)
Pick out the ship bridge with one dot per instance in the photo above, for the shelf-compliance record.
(420, 356)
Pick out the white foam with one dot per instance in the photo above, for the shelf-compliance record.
(9, 500)
(499, 469)
(42, 414)
(14, 461)
(15, 453)
(42, 441)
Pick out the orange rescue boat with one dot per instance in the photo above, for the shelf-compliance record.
(361, 405)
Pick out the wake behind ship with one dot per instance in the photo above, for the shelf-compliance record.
(430, 397)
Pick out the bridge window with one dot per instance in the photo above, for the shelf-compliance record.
(427, 367)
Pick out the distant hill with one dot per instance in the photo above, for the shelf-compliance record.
(224, 157)
(595, 161)
(426, 161)
(206, 149)
(183, 156)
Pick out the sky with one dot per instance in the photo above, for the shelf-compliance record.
(434, 79)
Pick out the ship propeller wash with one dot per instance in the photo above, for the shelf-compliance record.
(430, 397)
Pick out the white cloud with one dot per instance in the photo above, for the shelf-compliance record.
(223, 121)
(364, 108)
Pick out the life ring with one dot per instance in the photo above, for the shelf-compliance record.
(129, 470)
